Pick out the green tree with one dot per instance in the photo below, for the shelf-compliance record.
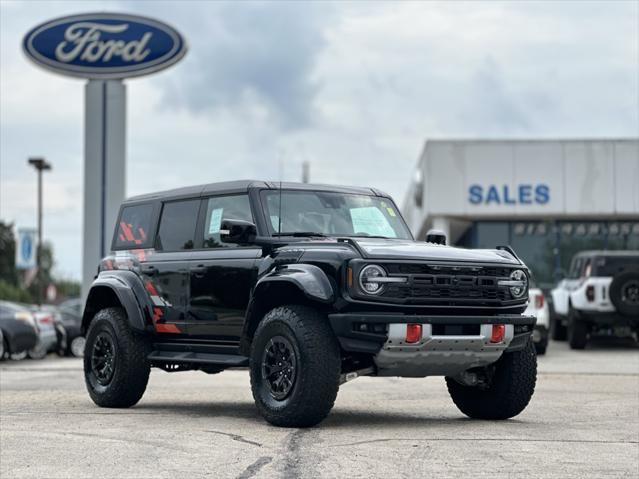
(8, 273)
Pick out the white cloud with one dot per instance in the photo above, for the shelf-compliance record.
(355, 88)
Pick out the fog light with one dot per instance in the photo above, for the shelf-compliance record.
(413, 333)
(498, 333)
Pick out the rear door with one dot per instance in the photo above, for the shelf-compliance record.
(221, 274)
(166, 271)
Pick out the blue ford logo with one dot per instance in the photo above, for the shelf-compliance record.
(104, 45)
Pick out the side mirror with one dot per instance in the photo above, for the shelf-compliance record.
(436, 236)
(237, 231)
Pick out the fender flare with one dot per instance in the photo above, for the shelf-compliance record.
(130, 292)
(308, 278)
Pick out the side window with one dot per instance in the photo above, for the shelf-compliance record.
(177, 225)
(224, 207)
(133, 227)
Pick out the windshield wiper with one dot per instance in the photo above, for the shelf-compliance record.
(301, 234)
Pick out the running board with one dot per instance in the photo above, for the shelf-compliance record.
(229, 360)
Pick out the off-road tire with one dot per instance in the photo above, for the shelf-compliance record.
(318, 366)
(540, 348)
(558, 331)
(622, 284)
(577, 331)
(510, 390)
(131, 371)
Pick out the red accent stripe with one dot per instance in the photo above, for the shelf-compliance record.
(167, 328)
(151, 289)
(127, 231)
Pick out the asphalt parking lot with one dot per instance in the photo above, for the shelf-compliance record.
(582, 422)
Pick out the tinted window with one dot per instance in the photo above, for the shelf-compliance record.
(611, 265)
(224, 207)
(177, 225)
(134, 227)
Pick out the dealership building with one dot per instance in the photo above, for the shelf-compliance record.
(548, 199)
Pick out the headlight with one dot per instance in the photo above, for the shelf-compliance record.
(368, 276)
(521, 287)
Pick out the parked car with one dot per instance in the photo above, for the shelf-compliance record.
(309, 286)
(70, 312)
(47, 334)
(538, 307)
(600, 295)
(18, 330)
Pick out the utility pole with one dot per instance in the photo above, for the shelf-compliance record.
(40, 165)
(306, 171)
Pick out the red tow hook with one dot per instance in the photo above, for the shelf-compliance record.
(498, 333)
(413, 333)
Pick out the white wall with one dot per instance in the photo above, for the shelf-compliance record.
(527, 178)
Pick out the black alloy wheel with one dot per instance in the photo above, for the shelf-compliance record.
(103, 358)
(279, 367)
(630, 292)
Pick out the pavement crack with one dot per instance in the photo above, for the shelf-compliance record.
(484, 439)
(254, 468)
(236, 437)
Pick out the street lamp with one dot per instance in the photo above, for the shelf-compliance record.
(40, 165)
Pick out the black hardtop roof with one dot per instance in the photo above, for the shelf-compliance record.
(612, 253)
(241, 186)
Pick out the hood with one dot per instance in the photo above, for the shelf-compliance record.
(407, 249)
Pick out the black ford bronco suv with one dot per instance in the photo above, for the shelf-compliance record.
(309, 286)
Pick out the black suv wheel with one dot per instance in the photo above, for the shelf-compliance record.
(509, 389)
(116, 368)
(295, 367)
(577, 330)
(624, 293)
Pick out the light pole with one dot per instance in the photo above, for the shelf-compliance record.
(40, 165)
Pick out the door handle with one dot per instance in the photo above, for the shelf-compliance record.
(198, 270)
(149, 270)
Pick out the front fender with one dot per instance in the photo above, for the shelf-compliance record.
(129, 291)
(310, 279)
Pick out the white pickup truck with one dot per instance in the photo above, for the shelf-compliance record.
(599, 295)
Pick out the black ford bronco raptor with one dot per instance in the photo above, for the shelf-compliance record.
(309, 286)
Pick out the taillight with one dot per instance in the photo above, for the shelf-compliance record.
(590, 293)
(45, 319)
(498, 333)
(539, 301)
(413, 333)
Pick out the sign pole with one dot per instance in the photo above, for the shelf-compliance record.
(104, 170)
(40, 164)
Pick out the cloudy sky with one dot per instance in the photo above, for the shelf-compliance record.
(354, 88)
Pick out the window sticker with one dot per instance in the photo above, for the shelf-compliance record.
(275, 222)
(215, 221)
(391, 211)
(371, 220)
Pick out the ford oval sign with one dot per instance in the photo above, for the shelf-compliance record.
(104, 45)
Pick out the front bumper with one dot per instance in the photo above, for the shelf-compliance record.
(440, 351)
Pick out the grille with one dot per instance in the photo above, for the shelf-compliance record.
(448, 284)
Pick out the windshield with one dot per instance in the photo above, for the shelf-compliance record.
(332, 214)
